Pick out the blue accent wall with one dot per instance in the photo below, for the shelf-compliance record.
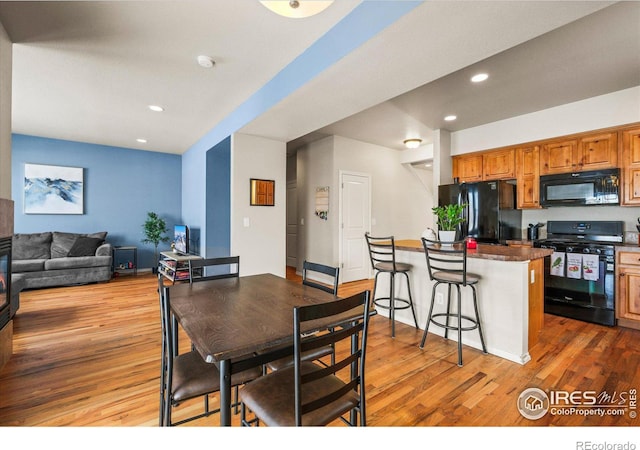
(218, 241)
(120, 186)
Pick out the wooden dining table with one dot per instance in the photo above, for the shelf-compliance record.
(231, 318)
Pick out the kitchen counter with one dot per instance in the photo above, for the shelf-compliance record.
(510, 296)
(485, 251)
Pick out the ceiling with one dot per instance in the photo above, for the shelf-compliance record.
(86, 71)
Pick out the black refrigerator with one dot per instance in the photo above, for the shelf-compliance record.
(491, 215)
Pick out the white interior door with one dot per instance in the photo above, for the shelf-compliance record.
(292, 225)
(355, 215)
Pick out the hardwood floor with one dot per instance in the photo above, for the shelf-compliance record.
(89, 356)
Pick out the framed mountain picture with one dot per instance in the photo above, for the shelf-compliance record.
(53, 189)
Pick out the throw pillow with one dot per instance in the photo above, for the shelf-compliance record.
(85, 246)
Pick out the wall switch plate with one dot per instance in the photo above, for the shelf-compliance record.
(631, 237)
(440, 298)
(245, 221)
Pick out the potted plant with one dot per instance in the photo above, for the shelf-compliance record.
(154, 229)
(449, 217)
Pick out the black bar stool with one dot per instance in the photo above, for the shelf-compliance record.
(382, 251)
(447, 264)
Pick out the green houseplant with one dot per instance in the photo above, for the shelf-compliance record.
(154, 230)
(449, 217)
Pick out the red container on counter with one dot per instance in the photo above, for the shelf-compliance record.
(471, 243)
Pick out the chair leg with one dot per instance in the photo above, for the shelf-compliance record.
(426, 327)
(415, 319)
(446, 330)
(475, 306)
(392, 304)
(459, 326)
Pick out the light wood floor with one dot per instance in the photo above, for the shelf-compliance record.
(89, 356)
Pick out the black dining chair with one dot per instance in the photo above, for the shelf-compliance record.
(214, 268)
(307, 393)
(330, 286)
(186, 376)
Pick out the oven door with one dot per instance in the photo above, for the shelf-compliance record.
(588, 300)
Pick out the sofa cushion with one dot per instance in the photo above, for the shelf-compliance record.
(62, 242)
(31, 246)
(27, 265)
(85, 246)
(77, 262)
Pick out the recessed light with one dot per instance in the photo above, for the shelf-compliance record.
(450, 118)
(412, 143)
(477, 78)
(142, 141)
(156, 108)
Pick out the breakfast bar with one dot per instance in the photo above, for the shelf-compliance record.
(510, 296)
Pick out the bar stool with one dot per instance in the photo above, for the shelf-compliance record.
(382, 251)
(447, 264)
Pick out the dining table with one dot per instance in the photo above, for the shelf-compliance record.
(236, 323)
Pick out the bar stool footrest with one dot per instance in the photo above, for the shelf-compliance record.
(385, 303)
(455, 326)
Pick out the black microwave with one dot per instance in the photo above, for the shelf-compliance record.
(601, 187)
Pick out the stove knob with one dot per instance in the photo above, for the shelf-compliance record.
(586, 250)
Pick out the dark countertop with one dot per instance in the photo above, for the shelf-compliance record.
(485, 251)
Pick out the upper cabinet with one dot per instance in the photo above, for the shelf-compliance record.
(498, 165)
(485, 166)
(589, 152)
(528, 177)
(467, 168)
(630, 160)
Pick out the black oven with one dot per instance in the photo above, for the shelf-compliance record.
(579, 276)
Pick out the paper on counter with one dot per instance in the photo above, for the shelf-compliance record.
(590, 267)
(574, 265)
(557, 264)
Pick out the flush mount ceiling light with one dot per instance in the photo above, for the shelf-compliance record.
(412, 143)
(206, 61)
(450, 117)
(156, 108)
(479, 77)
(297, 9)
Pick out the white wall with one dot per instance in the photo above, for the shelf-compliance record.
(617, 108)
(261, 245)
(5, 114)
(604, 111)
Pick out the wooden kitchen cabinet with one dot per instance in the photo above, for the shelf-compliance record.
(589, 152)
(498, 165)
(528, 177)
(628, 290)
(630, 159)
(598, 151)
(467, 168)
(558, 157)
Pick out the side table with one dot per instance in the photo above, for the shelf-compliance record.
(123, 265)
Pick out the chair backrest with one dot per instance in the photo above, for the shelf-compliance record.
(333, 272)
(349, 366)
(451, 258)
(214, 268)
(381, 250)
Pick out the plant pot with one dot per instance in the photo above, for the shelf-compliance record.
(447, 237)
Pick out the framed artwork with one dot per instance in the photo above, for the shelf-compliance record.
(262, 192)
(322, 202)
(53, 189)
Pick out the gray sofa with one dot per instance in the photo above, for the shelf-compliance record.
(59, 259)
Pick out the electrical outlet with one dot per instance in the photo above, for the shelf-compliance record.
(631, 237)
(440, 298)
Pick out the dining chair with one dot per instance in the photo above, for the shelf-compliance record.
(308, 270)
(186, 376)
(307, 393)
(214, 268)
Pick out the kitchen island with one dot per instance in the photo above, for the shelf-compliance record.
(510, 296)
